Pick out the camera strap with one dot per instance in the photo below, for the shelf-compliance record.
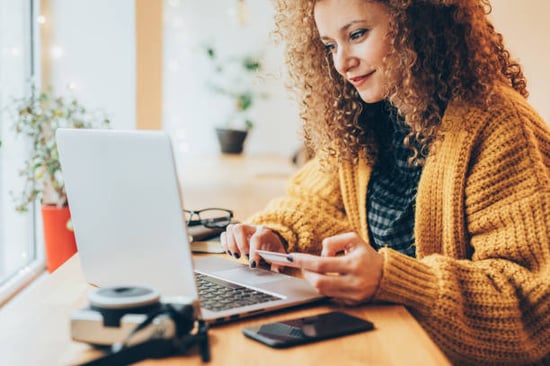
(188, 333)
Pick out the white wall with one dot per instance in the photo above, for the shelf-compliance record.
(526, 29)
(191, 111)
(93, 51)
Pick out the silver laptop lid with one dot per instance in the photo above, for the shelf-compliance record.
(122, 186)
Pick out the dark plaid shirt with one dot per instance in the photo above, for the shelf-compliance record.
(392, 190)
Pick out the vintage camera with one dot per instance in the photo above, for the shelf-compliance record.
(116, 313)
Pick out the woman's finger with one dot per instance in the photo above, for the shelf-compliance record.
(241, 234)
(314, 263)
(341, 243)
(351, 288)
(256, 242)
(264, 239)
(230, 240)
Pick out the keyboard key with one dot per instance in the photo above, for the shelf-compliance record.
(219, 295)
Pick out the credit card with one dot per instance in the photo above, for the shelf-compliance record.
(276, 257)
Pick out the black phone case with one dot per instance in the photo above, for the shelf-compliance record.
(293, 332)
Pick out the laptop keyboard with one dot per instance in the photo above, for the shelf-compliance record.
(219, 295)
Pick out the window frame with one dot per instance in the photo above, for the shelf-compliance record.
(34, 267)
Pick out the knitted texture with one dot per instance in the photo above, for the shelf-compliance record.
(480, 285)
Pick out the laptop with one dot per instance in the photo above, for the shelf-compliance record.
(127, 213)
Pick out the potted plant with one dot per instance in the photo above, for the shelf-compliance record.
(235, 78)
(36, 117)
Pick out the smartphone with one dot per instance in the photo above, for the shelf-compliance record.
(297, 331)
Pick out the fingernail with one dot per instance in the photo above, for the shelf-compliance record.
(252, 264)
(237, 255)
(290, 258)
(229, 253)
(247, 256)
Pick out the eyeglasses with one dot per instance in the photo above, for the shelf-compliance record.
(215, 218)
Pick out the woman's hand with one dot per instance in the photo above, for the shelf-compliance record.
(242, 239)
(353, 277)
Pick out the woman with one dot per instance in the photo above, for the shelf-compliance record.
(431, 175)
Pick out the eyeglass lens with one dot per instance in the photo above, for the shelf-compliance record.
(214, 218)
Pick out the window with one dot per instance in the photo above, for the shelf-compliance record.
(21, 257)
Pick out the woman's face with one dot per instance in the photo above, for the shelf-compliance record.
(355, 32)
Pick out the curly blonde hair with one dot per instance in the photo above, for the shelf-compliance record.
(440, 50)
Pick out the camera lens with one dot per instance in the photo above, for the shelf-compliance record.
(123, 297)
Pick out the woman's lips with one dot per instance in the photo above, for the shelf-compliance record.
(357, 81)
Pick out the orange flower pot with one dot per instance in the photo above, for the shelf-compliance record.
(58, 238)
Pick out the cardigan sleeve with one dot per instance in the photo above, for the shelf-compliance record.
(493, 308)
(311, 210)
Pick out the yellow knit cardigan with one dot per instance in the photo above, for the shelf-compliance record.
(480, 282)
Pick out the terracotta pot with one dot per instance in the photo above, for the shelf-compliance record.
(231, 141)
(58, 237)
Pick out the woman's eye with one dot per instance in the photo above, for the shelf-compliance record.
(357, 34)
(329, 47)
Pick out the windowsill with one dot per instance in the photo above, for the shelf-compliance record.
(25, 278)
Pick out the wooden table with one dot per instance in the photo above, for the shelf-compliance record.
(242, 183)
(34, 326)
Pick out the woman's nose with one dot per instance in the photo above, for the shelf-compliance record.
(344, 60)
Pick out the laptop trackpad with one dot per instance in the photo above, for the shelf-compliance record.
(248, 276)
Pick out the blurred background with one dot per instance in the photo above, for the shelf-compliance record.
(92, 50)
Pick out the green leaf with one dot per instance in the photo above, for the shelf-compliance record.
(36, 117)
(210, 52)
(244, 101)
(252, 64)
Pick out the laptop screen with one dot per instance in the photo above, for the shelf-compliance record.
(126, 209)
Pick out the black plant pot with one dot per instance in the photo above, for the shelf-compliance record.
(231, 141)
